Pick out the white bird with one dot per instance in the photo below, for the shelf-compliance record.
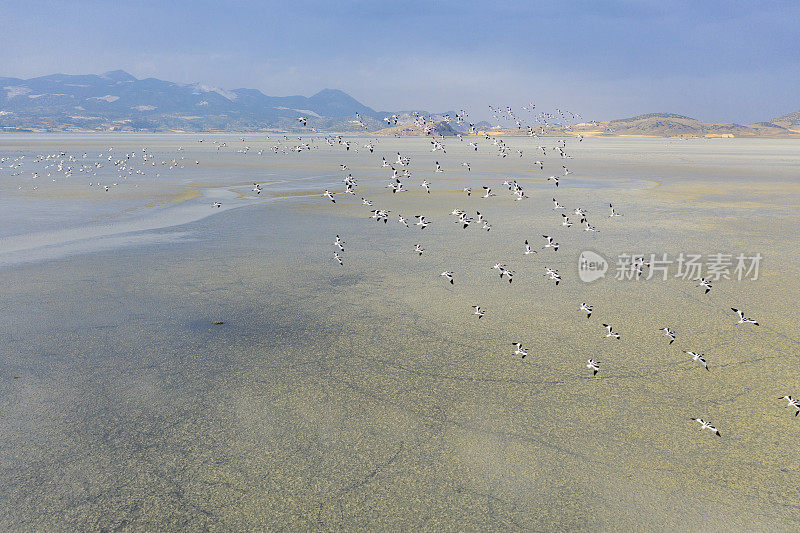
(421, 222)
(448, 275)
(588, 308)
(700, 358)
(402, 220)
(550, 243)
(337, 257)
(611, 332)
(706, 425)
(478, 311)
(216, 204)
(488, 192)
(593, 365)
(704, 283)
(519, 350)
(554, 179)
(613, 212)
(669, 333)
(328, 194)
(554, 275)
(566, 222)
(557, 205)
(743, 319)
(791, 402)
(528, 250)
(427, 186)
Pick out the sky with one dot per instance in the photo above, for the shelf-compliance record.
(718, 61)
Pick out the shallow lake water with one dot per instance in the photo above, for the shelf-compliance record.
(368, 396)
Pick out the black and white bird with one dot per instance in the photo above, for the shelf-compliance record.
(704, 283)
(669, 333)
(418, 249)
(700, 358)
(553, 275)
(427, 186)
(588, 308)
(593, 365)
(401, 219)
(791, 402)
(707, 425)
(478, 311)
(339, 243)
(743, 319)
(611, 332)
(448, 275)
(554, 179)
(519, 350)
(337, 257)
(364, 201)
(468, 190)
(421, 222)
(550, 243)
(566, 221)
(528, 250)
(216, 204)
(613, 212)
(488, 192)
(557, 205)
(329, 195)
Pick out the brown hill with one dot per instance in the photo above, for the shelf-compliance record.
(790, 121)
(665, 125)
(414, 129)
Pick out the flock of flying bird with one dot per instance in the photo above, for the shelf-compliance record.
(64, 165)
(399, 179)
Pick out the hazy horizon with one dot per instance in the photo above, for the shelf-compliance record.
(731, 62)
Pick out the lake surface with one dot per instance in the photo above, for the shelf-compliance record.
(368, 396)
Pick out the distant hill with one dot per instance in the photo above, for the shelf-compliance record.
(436, 128)
(661, 125)
(790, 120)
(672, 125)
(117, 101)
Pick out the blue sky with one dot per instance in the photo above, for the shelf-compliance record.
(731, 61)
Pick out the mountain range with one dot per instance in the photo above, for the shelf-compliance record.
(118, 101)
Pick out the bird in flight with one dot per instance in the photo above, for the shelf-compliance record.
(707, 425)
(743, 319)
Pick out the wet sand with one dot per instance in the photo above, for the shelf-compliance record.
(368, 396)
